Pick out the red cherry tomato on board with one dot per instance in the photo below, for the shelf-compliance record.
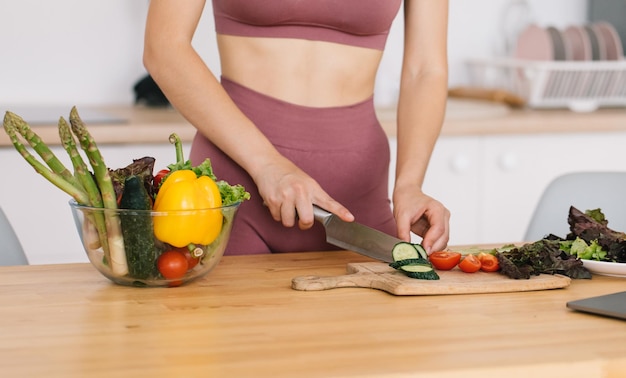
(172, 264)
(488, 262)
(469, 264)
(444, 260)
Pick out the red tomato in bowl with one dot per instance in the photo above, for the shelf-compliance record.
(470, 264)
(156, 180)
(172, 264)
(488, 262)
(444, 260)
(191, 261)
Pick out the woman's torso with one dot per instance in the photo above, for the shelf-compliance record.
(307, 52)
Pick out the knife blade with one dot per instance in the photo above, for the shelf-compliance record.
(356, 237)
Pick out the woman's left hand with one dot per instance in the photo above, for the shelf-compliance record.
(424, 216)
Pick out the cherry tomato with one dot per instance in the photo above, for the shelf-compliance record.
(156, 180)
(191, 261)
(469, 264)
(488, 262)
(172, 264)
(444, 260)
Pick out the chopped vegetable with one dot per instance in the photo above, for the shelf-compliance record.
(579, 248)
(420, 271)
(592, 226)
(403, 251)
(488, 262)
(444, 260)
(543, 256)
(412, 260)
(469, 264)
(400, 263)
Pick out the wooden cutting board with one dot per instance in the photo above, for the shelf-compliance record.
(377, 275)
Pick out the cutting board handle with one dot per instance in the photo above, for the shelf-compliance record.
(316, 283)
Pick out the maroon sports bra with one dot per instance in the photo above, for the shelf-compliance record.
(363, 23)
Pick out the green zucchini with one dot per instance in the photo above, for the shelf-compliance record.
(137, 229)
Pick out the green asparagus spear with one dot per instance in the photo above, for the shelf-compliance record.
(14, 124)
(84, 176)
(41, 148)
(119, 265)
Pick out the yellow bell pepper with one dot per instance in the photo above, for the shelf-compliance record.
(183, 190)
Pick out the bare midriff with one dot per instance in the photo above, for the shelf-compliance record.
(302, 72)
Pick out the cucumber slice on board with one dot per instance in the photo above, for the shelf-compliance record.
(417, 268)
(398, 264)
(412, 260)
(430, 275)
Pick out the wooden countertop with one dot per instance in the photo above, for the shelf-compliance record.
(464, 117)
(244, 320)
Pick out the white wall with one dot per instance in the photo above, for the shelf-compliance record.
(77, 52)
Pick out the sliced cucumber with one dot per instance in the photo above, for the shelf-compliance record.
(421, 251)
(404, 251)
(416, 268)
(429, 275)
(412, 260)
(398, 264)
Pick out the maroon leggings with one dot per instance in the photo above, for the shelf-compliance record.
(343, 148)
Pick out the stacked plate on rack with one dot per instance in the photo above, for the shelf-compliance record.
(598, 41)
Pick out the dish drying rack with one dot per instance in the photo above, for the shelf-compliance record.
(578, 85)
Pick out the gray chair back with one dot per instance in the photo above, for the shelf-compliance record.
(584, 191)
(11, 252)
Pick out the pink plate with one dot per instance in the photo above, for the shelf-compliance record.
(598, 46)
(561, 49)
(534, 43)
(578, 41)
(612, 41)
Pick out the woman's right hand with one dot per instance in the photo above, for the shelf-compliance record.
(289, 193)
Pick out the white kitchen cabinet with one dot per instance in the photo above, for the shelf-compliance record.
(519, 167)
(39, 212)
(453, 178)
(492, 183)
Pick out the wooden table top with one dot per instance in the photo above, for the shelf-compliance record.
(244, 320)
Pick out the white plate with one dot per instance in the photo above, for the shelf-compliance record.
(605, 268)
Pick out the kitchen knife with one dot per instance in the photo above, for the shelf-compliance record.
(356, 237)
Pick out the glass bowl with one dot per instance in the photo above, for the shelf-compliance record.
(144, 247)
